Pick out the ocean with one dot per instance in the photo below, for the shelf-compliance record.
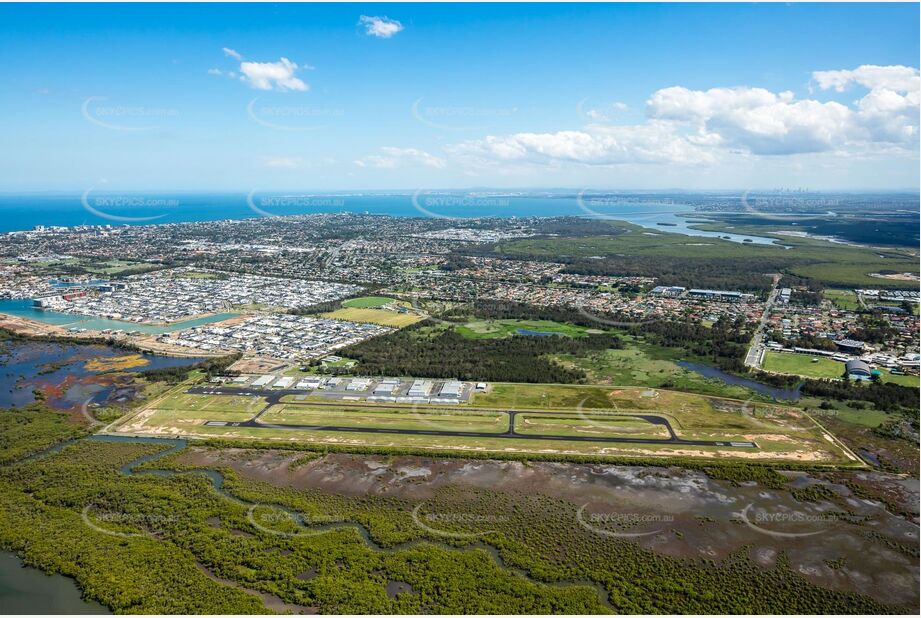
(24, 212)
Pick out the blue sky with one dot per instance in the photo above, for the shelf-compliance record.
(405, 96)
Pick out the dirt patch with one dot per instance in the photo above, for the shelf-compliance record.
(394, 588)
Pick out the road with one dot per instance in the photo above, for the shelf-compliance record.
(273, 397)
(756, 351)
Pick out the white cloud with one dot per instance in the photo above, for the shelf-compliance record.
(272, 75)
(652, 142)
(685, 126)
(391, 158)
(898, 78)
(754, 119)
(232, 53)
(382, 27)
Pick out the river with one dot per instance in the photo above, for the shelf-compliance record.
(780, 394)
(25, 590)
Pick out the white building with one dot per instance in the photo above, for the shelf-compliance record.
(451, 388)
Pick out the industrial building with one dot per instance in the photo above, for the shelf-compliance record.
(719, 295)
(451, 388)
(284, 382)
(358, 384)
(420, 388)
(850, 345)
(667, 290)
(386, 386)
(858, 370)
(264, 380)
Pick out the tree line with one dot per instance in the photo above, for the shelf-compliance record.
(423, 352)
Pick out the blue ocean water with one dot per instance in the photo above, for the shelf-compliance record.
(24, 212)
(25, 309)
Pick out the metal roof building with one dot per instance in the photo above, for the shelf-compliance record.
(858, 369)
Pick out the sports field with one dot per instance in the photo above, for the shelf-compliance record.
(367, 302)
(381, 317)
(803, 365)
(511, 418)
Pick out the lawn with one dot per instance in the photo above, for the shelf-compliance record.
(381, 317)
(903, 380)
(802, 365)
(367, 302)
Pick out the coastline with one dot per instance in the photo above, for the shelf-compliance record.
(32, 329)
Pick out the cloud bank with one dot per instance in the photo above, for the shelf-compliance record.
(685, 126)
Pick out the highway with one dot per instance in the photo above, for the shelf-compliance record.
(756, 351)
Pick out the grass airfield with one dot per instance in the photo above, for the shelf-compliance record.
(541, 419)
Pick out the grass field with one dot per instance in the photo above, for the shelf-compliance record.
(639, 364)
(781, 433)
(802, 365)
(367, 302)
(913, 381)
(843, 299)
(588, 425)
(397, 418)
(116, 267)
(381, 317)
(495, 329)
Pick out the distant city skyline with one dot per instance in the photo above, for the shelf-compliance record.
(362, 97)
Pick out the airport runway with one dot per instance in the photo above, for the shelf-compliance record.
(273, 397)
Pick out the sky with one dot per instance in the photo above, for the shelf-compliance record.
(242, 97)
